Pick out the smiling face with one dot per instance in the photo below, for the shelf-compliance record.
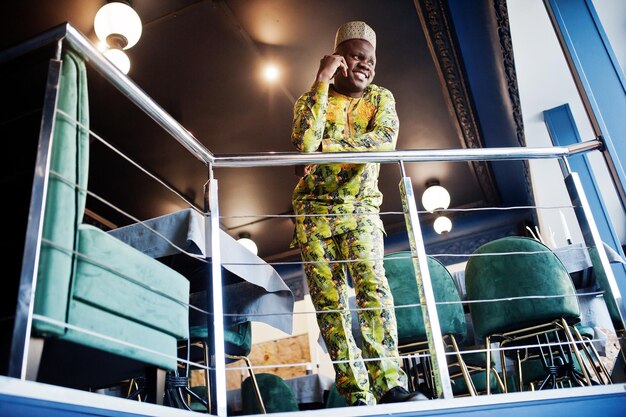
(360, 56)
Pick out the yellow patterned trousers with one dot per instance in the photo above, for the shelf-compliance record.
(363, 250)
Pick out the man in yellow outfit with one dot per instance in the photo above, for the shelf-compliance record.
(337, 217)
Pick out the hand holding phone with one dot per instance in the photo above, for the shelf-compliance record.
(330, 66)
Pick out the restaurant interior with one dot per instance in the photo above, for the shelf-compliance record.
(125, 256)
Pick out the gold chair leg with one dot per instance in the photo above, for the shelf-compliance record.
(504, 370)
(253, 379)
(594, 356)
(488, 364)
(133, 382)
(466, 375)
(520, 377)
(251, 372)
(587, 366)
(207, 377)
(501, 384)
(588, 361)
(570, 339)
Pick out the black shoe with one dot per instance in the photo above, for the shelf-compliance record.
(359, 402)
(400, 395)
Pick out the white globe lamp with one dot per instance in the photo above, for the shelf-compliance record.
(442, 225)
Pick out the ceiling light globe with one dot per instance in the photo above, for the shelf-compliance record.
(435, 197)
(118, 25)
(442, 225)
(119, 59)
(248, 244)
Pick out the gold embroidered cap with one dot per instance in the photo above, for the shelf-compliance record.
(355, 30)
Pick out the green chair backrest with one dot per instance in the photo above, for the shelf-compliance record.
(335, 400)
(65, 202)
(528, 268)
(277, 395)
(402, 281)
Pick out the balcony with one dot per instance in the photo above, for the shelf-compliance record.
(408, 228)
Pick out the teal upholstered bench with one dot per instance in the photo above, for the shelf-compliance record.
(93, 289)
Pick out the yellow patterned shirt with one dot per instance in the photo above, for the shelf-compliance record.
(331, 122)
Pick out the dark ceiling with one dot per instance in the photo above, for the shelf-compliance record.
(201, 61)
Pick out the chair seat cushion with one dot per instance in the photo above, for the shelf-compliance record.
(113, 333)
(115, 277)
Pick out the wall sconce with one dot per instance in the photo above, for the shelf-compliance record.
(118, 26)
(118, 58)
(435, 197)
(442, 225)
(246, 242)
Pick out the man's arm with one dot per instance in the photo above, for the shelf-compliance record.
(309, 118)
(383, 134)
(310, 110)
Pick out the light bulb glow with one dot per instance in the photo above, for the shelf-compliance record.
(248, 244)
(271, 73)
(119, 59)
(118, 19)
(442, 225)
(435, 197)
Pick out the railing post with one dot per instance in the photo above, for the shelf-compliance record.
(20, 342)
(591, 235)
(212, 236)
(443, 388)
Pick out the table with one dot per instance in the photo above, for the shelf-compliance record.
(259, 292)
(308, 389)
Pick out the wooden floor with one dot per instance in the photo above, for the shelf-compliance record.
(25, 398)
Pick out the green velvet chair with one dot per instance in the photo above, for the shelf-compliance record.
(411, 329)
(277, 395)
(93, 290)
(537, 304)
